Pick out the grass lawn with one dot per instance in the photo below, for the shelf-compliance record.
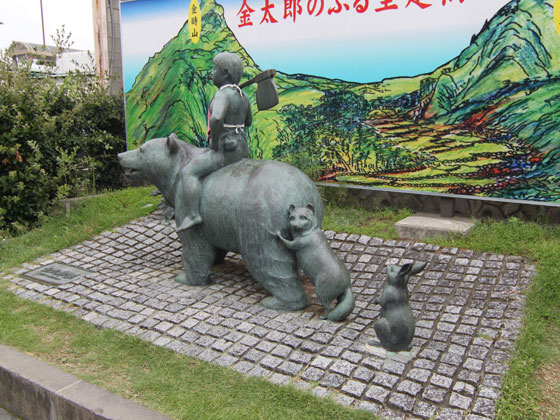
(181, 387)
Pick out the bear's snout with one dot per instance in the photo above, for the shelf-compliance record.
(128, 160)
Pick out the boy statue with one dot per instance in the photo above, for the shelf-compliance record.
(229, 114)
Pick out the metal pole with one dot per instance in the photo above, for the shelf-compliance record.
(42, 23)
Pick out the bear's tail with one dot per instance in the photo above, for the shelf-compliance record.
(344, 307)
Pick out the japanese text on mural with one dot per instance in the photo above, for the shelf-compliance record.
(291, 9)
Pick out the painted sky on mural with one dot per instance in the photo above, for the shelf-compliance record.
(360, 47)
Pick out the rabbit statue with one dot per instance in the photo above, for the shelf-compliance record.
(395, 327)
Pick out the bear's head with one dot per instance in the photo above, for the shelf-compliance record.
(157, 160)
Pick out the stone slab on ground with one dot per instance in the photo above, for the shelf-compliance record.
(34, 390)
(468, 306)
(426, 225)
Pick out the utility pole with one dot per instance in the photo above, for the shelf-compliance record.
(43, 23)
(100, 39)
(107, 39)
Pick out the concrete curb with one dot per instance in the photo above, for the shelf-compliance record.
(33, 390)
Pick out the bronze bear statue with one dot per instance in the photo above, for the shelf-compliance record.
(242, 206)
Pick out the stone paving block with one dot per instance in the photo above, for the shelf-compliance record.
(424, 410)
(311, 347)
(208, 355)
(321, 362)
(312, 374)
(409, 387)
(301, 357)
(281, 351)
(434, 394)
(363, 374)
(450, 414)
(460, 401)
(385, 379)
(354, 388)
(402, 401)
(332, 380)
(484, 407)
(419, 375)
(270, 362)
(265, 346)
(226, 360)
(343, 367)
(333, 351)
(467, 305)
(254, 355)
(393, 367)
(221, 345)
(441, 381)
(446, 370)
(368, 406)
(377, 394)
(289, 368)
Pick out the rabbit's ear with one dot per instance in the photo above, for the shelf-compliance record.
(417, 267)
(405, 269)
(404, 272)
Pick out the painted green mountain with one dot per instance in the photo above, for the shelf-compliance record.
(482, 124)
(511, 69)
(174, 89)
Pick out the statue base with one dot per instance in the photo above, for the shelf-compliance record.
(374, 347)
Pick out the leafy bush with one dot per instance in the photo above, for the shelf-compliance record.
(59, 137)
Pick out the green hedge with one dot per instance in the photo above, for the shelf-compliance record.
(59, 137)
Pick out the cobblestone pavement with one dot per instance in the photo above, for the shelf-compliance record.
(468, 307)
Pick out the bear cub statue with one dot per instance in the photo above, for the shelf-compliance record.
(395, 327)
(319, 263)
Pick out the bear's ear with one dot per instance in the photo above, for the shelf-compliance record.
(291, 208)
(310, 207)
(172, 145)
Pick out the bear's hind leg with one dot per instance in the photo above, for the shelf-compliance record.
(272, 302)
(220, 256)
(285, 287)
(274, 266)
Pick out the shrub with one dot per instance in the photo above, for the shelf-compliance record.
(59, 137)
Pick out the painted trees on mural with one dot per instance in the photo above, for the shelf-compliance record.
(335, 138)
(484, 123)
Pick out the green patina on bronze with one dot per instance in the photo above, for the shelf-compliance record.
(242, 206)
(224, 201)
(395, 327)
(319, 262)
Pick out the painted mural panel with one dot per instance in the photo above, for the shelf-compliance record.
(439, 96)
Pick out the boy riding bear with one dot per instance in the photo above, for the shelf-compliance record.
(229, 114)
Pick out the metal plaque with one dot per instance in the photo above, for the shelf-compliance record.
(56, 273)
